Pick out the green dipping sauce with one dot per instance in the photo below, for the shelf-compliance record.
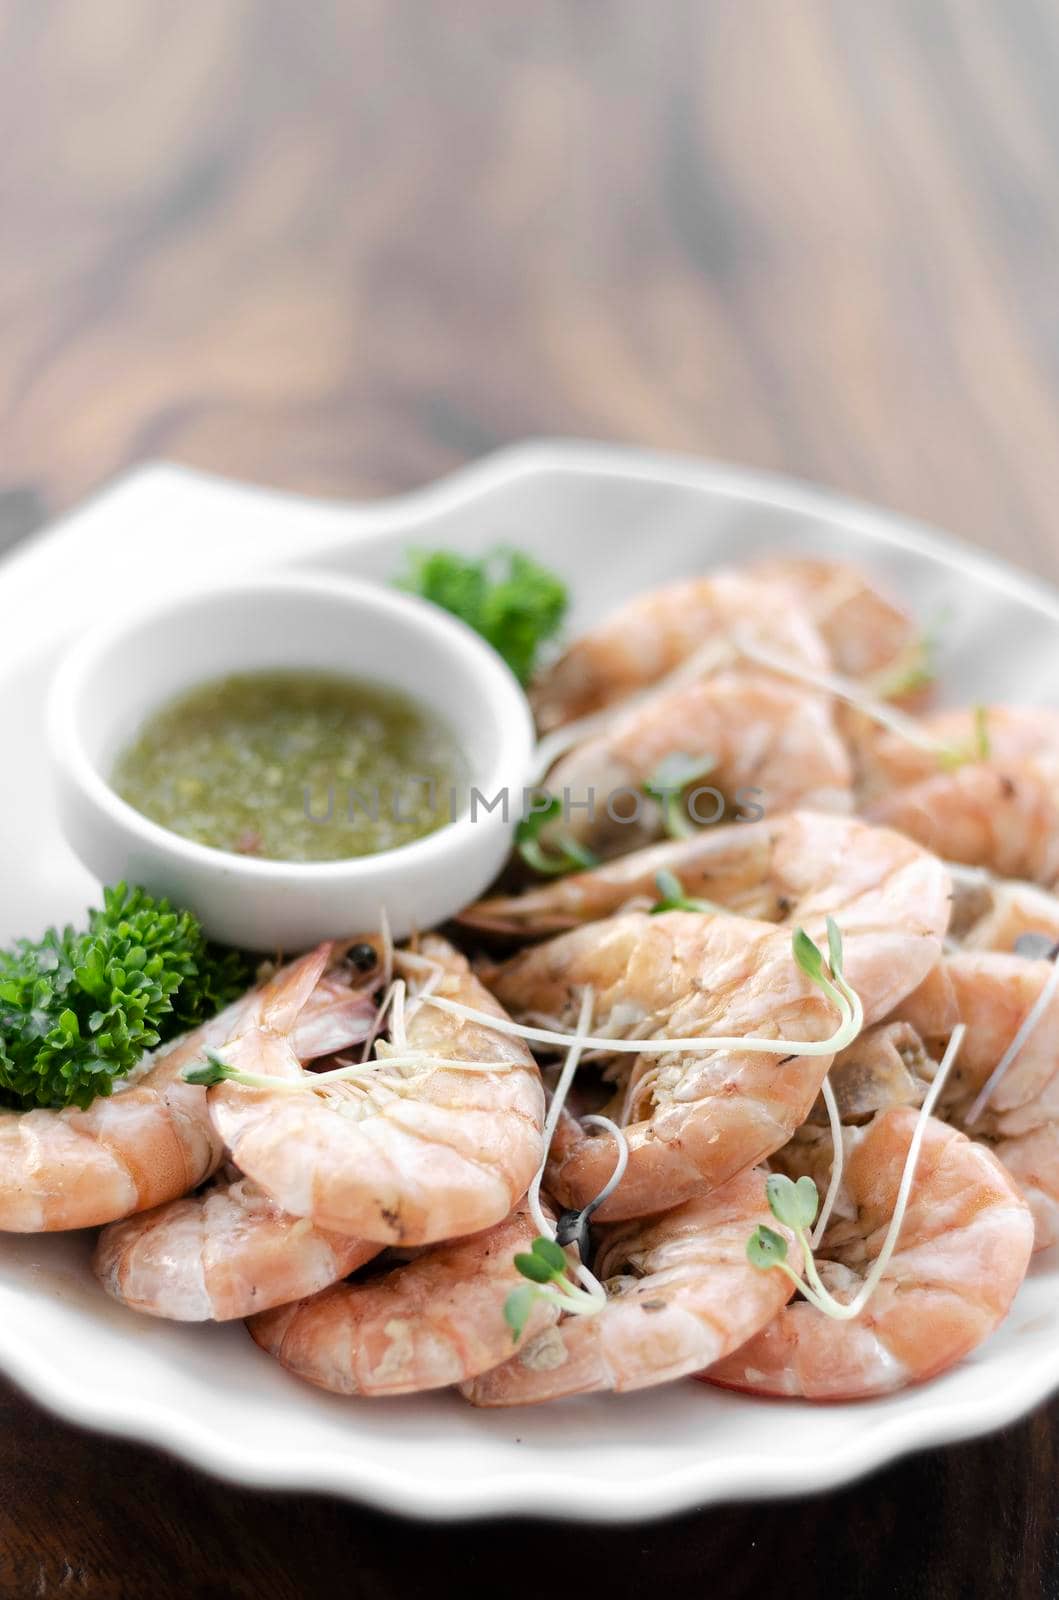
(294, 766)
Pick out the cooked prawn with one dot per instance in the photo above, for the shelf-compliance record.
(681, 1292)
(648, 638)
(425, 1150)
(422, 1324)
(1004, 817)
(771, 744)
(1011, 734)
(868, 636)
(962, 1252)
(993, 993)
(887, 1065)
(1009, 910)
(888, 895)
(223, 1253)
(152, 1140)
(693, 1120)
(702, 1118)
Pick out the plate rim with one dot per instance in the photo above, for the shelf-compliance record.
(339, 518)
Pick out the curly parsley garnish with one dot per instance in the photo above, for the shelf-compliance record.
(511, 600)
(80, 1008)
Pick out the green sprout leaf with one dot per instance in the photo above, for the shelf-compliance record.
(808, 1201)
(513, 602)
(517, 1308)
(793, 1204)
(920, 673)
(551, 1254)
(677, 772)
(982, 741)
(668, 783)
(807, 955)
(215, 1071)
(766, 1248)
(534, 1268)
(563, 853)
(834, 947)
(783, 1198)
(978, 748)
(672, 896)
(915, 668)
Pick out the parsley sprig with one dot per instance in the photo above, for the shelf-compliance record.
(511, 600)
(80, 1008)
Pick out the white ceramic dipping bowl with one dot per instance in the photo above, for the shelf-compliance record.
(114, 677)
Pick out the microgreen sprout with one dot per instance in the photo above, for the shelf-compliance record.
(562, 854)
(591, 1297)
(573, 1227)
(766, 1248)
(978, 748)
(895, 721)
(671, 896)
(1029, 1025)
(794, 1205)
(668, 784)
(545, 1267)
(912, 670)
(360, 1073)
(214, 1071)
(575, 1044)
(915, 667)
(982, 737)
(830, 978)
(837, 1159)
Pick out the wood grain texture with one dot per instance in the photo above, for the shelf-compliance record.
(342, 246)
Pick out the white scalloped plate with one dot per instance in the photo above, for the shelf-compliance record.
(613, 521)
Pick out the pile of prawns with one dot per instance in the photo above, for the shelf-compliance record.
(853, 998)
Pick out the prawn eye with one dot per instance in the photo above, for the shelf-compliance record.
(364, 957)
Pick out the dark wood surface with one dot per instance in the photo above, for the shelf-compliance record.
(343, 247)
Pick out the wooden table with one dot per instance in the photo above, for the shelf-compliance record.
(343, 247)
